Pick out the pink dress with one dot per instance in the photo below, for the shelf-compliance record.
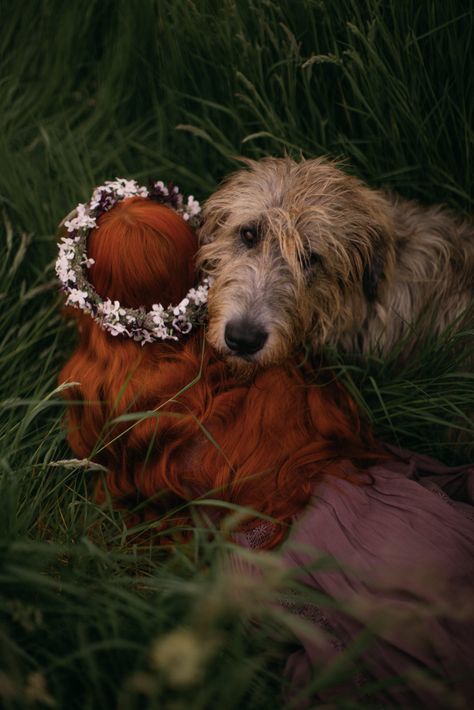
(404, 546)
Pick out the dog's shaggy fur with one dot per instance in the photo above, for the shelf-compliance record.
(304, 251)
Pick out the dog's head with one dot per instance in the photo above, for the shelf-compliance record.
(298, 251)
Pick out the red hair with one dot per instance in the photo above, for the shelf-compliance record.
(260, 444)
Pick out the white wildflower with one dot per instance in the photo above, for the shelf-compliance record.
(180, 309)
(157, 313)
(67, 247)
(182, 656)
(160, 185)
(111, 310)
(63, 270)
(157, 316)
(143, 336)
(95, 199)
(77, 296)
(161, 332)
(116, 328)
(198, 295)
(125, 188)
(192, 208)
(81, 220)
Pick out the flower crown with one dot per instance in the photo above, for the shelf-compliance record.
(144, 326)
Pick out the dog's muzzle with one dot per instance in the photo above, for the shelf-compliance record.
(244, 338)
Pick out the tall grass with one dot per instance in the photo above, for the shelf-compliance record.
(178, 90)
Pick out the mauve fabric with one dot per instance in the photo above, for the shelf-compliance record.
(405, 546)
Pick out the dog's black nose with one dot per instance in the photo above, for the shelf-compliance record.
(244, 338)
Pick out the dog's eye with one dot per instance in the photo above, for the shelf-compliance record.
(249, 235)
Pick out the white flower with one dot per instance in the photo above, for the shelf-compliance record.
(95, 199)
(77, 296)
(118, 189)
(192, 208)
(157, 315)
(182, 656)
(111, 310)
(63, 270)
(143, 336)
(87, 262)
(125, 188)
(97, 196)
(81, 220)
(115, 328)
(181, 307)
(67, 246)
(161, 331)
(158, 309)
(198, 295)
(160, 185)
(66, 254)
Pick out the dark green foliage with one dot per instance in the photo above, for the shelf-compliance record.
(178, 90)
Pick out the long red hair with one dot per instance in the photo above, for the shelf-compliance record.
(260, 444)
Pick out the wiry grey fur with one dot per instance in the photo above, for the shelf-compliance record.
(336, 263)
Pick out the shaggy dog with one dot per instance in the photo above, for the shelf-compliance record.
(305, 252)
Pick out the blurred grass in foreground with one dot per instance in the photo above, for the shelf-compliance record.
(177, 91)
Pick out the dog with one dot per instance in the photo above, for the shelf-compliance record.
(305, 252)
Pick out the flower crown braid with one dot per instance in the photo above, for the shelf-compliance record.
(143, 326)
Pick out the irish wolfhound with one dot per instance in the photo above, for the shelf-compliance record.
(305, 252)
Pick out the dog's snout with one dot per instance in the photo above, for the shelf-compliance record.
(244, 337)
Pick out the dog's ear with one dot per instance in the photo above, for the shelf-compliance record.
(374, 269)
(373, 272)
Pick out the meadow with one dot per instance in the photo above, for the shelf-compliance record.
(178, 91)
